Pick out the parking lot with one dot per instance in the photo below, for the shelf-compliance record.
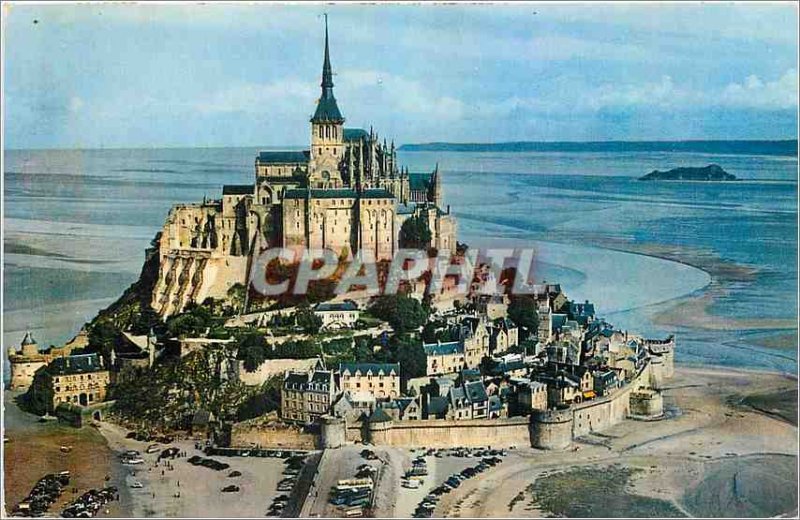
(179, 488)
(441, 466)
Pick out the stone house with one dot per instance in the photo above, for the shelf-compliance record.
(337, 315)
(444, 358)
(468, 401)
(307, 395)
(504, 335)
(382, 380)
(80, 380)
(352, 405)
(532, 396)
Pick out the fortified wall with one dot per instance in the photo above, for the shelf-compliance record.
(550, 429)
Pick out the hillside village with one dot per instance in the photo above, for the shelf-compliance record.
(191, 346)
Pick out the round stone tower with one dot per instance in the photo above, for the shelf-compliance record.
(29, 346)
(332, 432)
(24, 363)
(551, 429)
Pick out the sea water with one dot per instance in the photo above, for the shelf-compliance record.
(77, 223)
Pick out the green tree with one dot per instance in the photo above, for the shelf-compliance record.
(193, 322)
(307, 320)
(252, 350)
(522, 311)
(407, 350)
(236, 297)
(103, 336)
(267, 399)
(404, 313)
(415, 233)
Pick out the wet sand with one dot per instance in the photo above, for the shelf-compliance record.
(694, 311)
(34, 450)
(690, 460)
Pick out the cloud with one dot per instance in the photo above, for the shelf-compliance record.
(755, 93)
(663, 94)
(403, 95)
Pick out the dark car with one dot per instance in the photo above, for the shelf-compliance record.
(230, 489)
(368, 454)
(233, 474)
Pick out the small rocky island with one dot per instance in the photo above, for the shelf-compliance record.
(712, 172)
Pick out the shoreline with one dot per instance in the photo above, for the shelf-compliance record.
(686, 461)
(200, 486)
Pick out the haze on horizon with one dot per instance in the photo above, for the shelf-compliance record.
(99, 75)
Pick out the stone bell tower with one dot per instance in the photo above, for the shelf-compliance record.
(327, 132)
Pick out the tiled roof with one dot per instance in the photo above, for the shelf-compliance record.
(77, 364)
(443, 349)
(238, 189)
(283, 157)
(374, 368)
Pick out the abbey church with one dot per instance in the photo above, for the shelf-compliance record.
(346, 193)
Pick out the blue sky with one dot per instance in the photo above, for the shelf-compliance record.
(243, 75)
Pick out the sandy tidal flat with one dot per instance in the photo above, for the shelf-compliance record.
(714, 456)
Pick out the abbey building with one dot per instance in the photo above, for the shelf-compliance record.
(346, 193)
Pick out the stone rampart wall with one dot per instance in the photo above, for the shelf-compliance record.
(501, 433)
(243, 435)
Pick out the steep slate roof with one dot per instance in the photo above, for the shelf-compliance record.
(437, 405)
(28, 340)
(406, 209)
(559, 320)
(419, 181)
(470, 374)
(374, 368)
(238, 189)
(354, 134)
(317, 381)
(78, 364)
(495, 404)
(475, 391)
(443, 349)
(284, 157)
(379, 416)
(339, 193)
(327, 109)
(347, 305)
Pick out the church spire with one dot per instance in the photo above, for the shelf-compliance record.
(327, 109)
(327, 73)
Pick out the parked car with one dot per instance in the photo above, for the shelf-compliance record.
(230, 489)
